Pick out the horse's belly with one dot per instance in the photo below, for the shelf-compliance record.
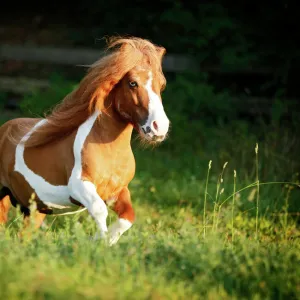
(68, 210)
(59, 202)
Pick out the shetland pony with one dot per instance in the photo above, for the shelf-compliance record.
(80, 154)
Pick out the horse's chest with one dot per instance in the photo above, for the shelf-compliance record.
(110, 174)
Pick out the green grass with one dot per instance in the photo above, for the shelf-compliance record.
(161, 258)
(166, 254)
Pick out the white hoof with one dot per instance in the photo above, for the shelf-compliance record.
(117, 229)
(113, 239)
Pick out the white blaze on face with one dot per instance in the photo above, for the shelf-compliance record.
(157, 123)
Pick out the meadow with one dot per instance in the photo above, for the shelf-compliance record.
(217, 209)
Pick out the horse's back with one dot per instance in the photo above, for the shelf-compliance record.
(10, 134)
(12, 131)
(15, 129)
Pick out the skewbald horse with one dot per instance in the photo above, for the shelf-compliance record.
(80, 154)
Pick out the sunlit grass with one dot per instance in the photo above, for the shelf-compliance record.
(170, 252)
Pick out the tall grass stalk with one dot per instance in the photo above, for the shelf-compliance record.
(218, 193)
(286, 209)
(233, 203)
(205, 199)
(257, 194)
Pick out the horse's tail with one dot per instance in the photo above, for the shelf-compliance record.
(5, 201)
(3, 129)
(3, 134)
(3, 189)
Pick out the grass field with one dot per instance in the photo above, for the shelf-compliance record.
(194, 238)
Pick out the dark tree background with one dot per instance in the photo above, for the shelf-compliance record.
(253, 45)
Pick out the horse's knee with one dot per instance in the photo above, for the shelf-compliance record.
(85, 192)
(128, 213)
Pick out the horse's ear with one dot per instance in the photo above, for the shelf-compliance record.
(161, 51)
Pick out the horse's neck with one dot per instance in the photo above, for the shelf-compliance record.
(109, 128)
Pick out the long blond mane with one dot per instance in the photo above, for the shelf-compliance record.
(122, 54)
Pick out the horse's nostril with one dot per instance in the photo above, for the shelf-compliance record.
(147, 130)
(155, 126)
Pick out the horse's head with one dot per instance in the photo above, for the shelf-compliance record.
(138, 100)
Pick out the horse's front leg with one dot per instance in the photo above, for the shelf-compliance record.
(125, 212)
(85, 192)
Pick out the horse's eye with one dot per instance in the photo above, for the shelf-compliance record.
(133, 84)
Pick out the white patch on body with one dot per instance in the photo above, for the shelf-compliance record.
(56, 196)
(85, 191)
(117, 229)
(156, 113)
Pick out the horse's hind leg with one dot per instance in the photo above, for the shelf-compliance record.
(4, 205)
(36, 218)
(32, 222)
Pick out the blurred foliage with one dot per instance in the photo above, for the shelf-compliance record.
(222, 33)
(225, 34)
(3, 98)
(196, 99)
(204, 30)
(39, 102)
